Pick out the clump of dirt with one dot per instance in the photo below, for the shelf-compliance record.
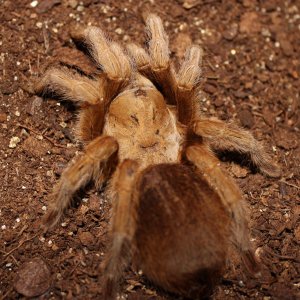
(251, 75)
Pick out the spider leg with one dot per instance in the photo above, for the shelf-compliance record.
(224, 136)
(187, 79)
(231, 197)
(141, 59)
(110, 58)
(123, 226)
(162, 69)
(69, 86)
(85, 92)
(91, 165)
(181, 88)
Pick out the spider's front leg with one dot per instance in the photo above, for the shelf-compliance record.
(156, 65)
(225, 136)
(81, 90)
(92, 165)
(123, 226)
(231, 196)
(109, 57)
(92, 95)
(181, 88)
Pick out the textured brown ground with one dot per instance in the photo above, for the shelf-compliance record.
(252, 74)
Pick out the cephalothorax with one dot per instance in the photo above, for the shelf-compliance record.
(173, 206)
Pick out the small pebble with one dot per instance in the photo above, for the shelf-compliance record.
(34, 3)
(233, 52)
(80, 8)
(119, 30)
(3, 227)
(241, 283)
(63, 124)
(44, 208)
(33, 278)
(73, 3)
(13, 142)
(49, 173)
(39, 25)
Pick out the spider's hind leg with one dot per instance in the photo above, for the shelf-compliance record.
(231, 197)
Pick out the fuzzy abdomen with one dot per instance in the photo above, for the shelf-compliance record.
(182, 230)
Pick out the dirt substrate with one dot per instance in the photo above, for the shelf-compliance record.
(251, 69)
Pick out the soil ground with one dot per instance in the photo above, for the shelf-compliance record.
(251, 70)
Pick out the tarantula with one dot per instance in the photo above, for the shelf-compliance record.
(174, 207)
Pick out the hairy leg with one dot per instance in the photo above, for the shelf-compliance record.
(110, 58)
(87, 93)
(156, 65)
(231, 197)
(93, 96)
(90, 122)
(91, 165)
(123, 227)
(187, 80)
(159, 57)
(141, 59)
(69, 85)
(224, 136)
(181, 88)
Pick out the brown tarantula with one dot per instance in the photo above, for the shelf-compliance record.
(174, 208)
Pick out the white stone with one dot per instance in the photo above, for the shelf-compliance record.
(13, 142)
(119, 31)
(34, 3)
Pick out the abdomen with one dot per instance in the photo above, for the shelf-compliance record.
(182, 230)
